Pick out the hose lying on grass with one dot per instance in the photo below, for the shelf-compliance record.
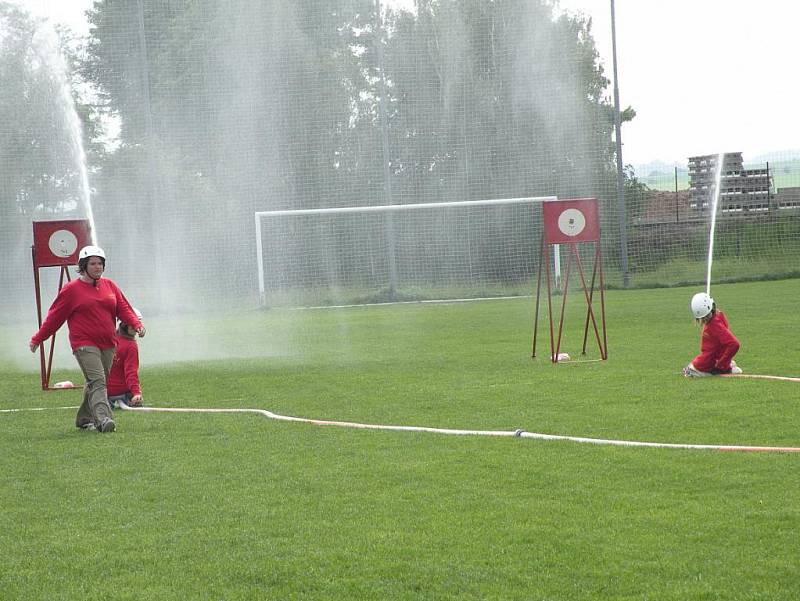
(519, 433)
(761, 377)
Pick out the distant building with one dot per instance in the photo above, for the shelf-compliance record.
(741, 190)
(787, 199)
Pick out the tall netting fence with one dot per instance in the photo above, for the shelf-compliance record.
(196, 115)
(756, 211)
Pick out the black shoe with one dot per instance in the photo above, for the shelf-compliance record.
(107, 425)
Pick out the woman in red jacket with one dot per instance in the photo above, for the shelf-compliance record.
(718, 345)
(90, 304)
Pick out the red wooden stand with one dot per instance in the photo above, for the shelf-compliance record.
(55, 244)
(571, 222)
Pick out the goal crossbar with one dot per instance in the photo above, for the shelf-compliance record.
(259, 215)
(403, 207)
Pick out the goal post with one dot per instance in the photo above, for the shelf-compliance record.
(385, 253)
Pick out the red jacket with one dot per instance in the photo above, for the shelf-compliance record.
(717, 347)
(91, 311)
(124, 374)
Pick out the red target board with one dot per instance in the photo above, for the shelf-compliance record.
(56, 243)
(572, 220)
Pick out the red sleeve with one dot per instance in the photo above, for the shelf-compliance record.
(124, 310)
(131, 369)
(58, 313)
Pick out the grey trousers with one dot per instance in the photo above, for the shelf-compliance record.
(95, 364)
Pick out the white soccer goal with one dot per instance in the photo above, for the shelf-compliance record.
(391, 253)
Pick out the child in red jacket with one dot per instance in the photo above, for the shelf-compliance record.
(123, 379)
(718, 345)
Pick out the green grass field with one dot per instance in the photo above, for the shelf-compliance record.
(236, 506)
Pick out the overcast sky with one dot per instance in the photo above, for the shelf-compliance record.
(704, 76)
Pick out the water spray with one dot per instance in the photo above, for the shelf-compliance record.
(47, 45)
(712, 229)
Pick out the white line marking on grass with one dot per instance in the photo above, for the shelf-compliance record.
(34, 409)
(519, 433)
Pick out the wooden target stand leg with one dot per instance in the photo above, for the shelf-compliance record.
(46, 355)
(597, 270)
(544, 260)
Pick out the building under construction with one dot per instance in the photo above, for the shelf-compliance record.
(788, 199)
(741, 190)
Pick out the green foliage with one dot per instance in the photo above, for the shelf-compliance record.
(486, 110)
(635, 189)
(233, 506)
(38, 174)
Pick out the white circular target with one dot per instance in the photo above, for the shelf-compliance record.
(571, 222)
(62, 243)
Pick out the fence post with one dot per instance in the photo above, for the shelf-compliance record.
(677, 218)
(623, 233)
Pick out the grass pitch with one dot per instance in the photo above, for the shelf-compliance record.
(197, 506)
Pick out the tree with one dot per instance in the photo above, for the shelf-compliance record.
(502, 99)
(40, 166)
(37, 151)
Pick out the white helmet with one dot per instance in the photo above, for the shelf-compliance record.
(701, 305)
(91, 251)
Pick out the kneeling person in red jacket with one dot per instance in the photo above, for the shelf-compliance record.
(123, 379)
(718, 345)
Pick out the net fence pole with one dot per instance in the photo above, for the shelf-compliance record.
(387, 171)
(623, 234)
(262, 296)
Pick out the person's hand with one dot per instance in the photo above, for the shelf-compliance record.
(33, 346)
(136, 400)
(141, 331)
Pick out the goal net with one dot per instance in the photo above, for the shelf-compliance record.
(394, 253)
